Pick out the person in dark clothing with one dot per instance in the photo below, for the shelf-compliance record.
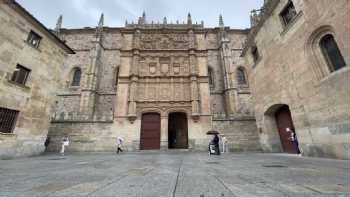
(214, 146)
(47, 142)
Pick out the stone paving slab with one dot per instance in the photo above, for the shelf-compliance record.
(174, 174)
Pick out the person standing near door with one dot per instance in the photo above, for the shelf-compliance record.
(224, 142)
(65, 142)
(294, 140)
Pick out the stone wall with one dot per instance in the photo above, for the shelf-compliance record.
(241, 134)
(292, 71)
(160, 70)
(33, 100)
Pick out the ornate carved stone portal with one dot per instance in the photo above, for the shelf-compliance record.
(161, 73)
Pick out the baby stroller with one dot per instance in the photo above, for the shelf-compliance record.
(213, 147)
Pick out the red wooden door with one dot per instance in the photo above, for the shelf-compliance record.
(150, 131)
(284, 121)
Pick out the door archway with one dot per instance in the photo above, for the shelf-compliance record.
(177, 131)
(285, 128)
(150, 131)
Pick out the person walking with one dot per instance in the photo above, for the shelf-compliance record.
(65, 142)
(119, 142)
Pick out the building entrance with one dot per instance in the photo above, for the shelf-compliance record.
(178, 131)
(150, 131)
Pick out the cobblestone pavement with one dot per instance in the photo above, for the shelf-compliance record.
(173, 174)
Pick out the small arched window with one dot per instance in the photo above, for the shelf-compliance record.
(76, 77)
(211, 77)
(241, 76)
(332, 53)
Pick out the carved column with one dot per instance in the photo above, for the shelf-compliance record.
(134, 78)
(229, 82)
(194, 76)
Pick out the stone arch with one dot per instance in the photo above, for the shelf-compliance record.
(151, 110)
(269, 136)
(314, 53)
(177, 110)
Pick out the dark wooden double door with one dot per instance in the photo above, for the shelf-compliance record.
(150, 131)
(284, 121)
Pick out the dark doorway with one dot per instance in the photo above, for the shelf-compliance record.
(150, 131)
(178, 131)
(285, 127)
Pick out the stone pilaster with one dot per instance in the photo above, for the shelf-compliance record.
(91, 81)
(230, 88)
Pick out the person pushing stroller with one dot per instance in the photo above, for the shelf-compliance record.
(214, 145)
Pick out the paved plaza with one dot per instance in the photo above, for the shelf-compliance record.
(170, 174)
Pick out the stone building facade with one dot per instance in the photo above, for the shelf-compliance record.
(158, 85)
(297, 56)
(31, 60)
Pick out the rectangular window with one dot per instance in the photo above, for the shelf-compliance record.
(8, 119)
(20, 75)
(34, 39)
(288, 13)
(255, 54)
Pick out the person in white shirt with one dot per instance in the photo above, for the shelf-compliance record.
(65, 142)
(224, 142)
(119, 143)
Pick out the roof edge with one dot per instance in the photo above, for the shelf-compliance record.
(21, 10)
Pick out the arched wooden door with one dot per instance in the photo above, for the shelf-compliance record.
(284, 121)
(150, 131)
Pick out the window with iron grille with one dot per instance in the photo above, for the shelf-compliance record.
(288, 13)
(8, 119)
(34, 39)
(20, 75)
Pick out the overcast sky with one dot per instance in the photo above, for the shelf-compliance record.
(83, 13)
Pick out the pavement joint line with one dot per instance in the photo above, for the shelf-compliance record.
(225, 186)
(177, 177)
(312, 189)
(108, 184)
(114, 181)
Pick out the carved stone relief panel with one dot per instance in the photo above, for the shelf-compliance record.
(152, 68)
(163, 91)
(163, 66)
(176, 68)
(164, 41)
